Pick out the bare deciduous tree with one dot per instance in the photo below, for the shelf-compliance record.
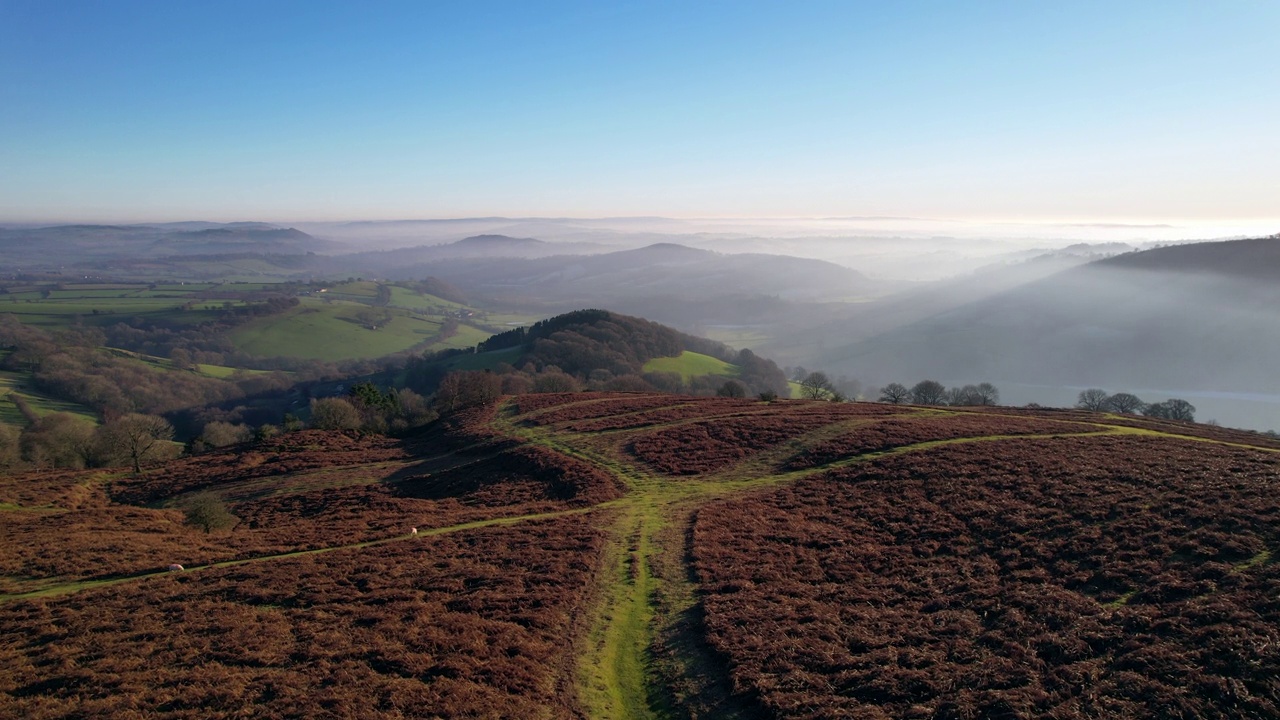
(137, 438)
(58, 440)
(334, 414)
(1094, 399)
(815, 386)
(1171, 409)
(895, 393)
(1124, 403)
(929, 392)
(988, 394)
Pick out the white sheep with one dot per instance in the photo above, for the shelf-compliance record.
(175, 567)
(413, 531)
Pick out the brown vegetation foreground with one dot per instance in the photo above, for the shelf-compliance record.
(471, 624)
(851, 560)
(1075, 577)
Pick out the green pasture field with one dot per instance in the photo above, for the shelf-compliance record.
(152, 362)
(508, 321)
(116, 302)
(186, 287)
(20, 384)
(692, 364)
(361, 291)
(62, 313)
(331, 332)
(172, 292)
(248, 274)
(466, 337)
(245, 285)
(222, 372)
(406, 298)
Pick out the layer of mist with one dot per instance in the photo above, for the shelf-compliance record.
(1042, 310)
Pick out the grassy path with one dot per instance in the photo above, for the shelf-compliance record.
(648, 596)
(645, 658)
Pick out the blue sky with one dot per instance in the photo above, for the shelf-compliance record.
(1027, 111)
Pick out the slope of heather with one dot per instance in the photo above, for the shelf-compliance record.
(466, 625)
(609, 555)
(1076, 577)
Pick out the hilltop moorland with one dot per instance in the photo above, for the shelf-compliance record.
(646, 555)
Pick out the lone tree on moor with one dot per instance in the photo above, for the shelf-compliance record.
(1125, 403)
(929, 392)
(815, 386)
(137, 438)
(1094, 399)
(895, 393)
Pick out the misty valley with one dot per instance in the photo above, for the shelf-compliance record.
(633, 469)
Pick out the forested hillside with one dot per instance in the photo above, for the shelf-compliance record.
(605, 345)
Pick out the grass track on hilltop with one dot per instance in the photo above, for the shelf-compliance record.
(641, 646)
(621, 675)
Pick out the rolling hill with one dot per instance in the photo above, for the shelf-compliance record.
(603, 345)
(393, 263)
(598, 555)
(631, 279)
(1195, 318)
(72, 244)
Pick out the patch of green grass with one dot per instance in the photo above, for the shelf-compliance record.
(466, 337)
(1261, 558)
(215, 371)
(360, 291)
(511, 320)
(1121, 601)
(63, 313)
(692, 364)
(20, 384)
(615, 682)
(406, 298)
(333, 332)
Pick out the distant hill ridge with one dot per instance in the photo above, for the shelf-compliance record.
(497, 240)
(89, 242)
(1198, 317)
(1256, 259)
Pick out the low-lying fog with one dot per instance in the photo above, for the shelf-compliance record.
(1040, 309)
(1016, 304)
(895, 249)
